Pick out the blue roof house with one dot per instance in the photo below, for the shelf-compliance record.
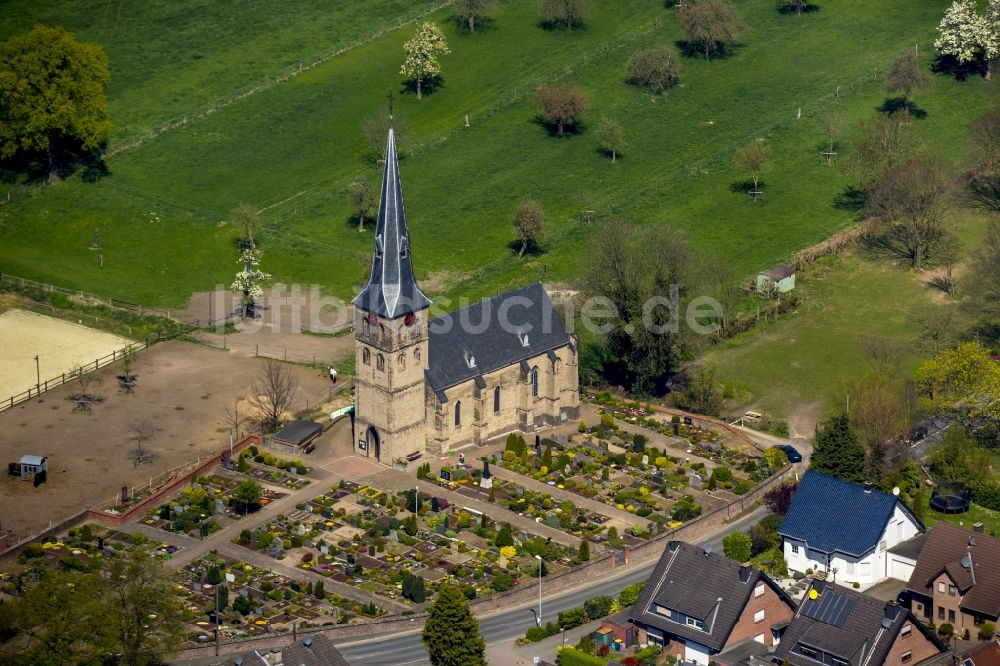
(845, 530)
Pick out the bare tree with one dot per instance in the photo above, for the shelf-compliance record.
(883, 143)
(235, 418)
(796, 6)
(753, 159)
(906, 76)
(469, 11)
(654, 68)
(374, 130)
(141, 432)
(710, 26)
(272, 394)
(566, 14)
(939, 324)
(562, 106)
(364, 200)
(84, 379)
(610, 134)
(880, 414)
(908, 205)
(833, 127)
(246, 218)
(983, 281)
(528, 220)
(983, 176)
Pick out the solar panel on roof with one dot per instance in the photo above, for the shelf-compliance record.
(830, 608)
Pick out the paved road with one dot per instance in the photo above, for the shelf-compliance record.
(407, 650)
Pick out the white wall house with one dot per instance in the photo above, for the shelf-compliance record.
(845, 530)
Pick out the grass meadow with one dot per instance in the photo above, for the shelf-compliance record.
(293, 147)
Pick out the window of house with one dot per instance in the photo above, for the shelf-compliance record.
(838, 662)
(940, 612)
(458, 413)
(760, 639)
(850, 568)
(759, 590)
(693, 622)
(758, 616)
(906, 656)
(534, 382)
(951, 616)
(795, 549)
(907, 628)
(807, 651)
(380, 362)
(951, 590)
(941, 586)
(366, 356)
(496, 399)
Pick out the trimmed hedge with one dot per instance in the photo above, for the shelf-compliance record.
(570, 656)
(986, 494)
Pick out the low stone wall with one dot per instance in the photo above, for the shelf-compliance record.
(98, 514)
(14, 548)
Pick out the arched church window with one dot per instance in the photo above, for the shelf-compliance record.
(534, 382)
(416, 355)
(380, 362)
(401, 361)
(366, 356)
(458, 413)
(365, 327)
(381, 331)
(496, 399)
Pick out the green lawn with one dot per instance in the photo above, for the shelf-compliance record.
(293, 147)
(810, 355)
(976, 514)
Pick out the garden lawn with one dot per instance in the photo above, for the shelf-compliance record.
(292, 148)
(810, 355)
(976, 514)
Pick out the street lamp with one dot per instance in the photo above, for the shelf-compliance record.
(539, 619)
(563, 630)
(38, 376)
(201, 527)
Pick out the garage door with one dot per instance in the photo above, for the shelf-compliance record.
(900, 568)
(696, 653)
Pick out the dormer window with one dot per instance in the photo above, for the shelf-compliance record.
(696, 623)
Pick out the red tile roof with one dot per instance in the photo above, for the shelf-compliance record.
(944, 550)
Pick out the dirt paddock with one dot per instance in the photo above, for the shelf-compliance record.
(60, 346)
(183, 389)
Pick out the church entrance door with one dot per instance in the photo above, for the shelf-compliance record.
(375, 442)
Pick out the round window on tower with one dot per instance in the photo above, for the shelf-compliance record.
(409, 319)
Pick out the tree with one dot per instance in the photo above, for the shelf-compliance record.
(374, 129)
(246, 218)
(880, 414)
(248, 280)
(907, 204)
(451, 633)
(964, 381)
(141, 588)
(609, 133)
(318, 590)
(838, 451)
(504, 536)
(753, 159)
(562, 106)
(422, 53)
(528, 220)
(704, 392)
(630, 594)
(884, 142)
(906, 76)
(83, 379)
(584, 553)
(956, 459)
(710, 26)
(469, 11)
(968, 36)
(364, 200)
(142, 431)
(52, 95)
(778, 499)
(737, 546)
(983, 278)
(655, 69)
(566, 14)
(273, 394)
(833, 127)
(414, 588)
(247, 493)
(983, 175)
(797, 6)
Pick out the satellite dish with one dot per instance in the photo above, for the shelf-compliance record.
(813, 594)
(895, 491)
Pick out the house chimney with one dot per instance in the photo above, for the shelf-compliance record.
(978, 528)
(891, 610)
(275, 659)
(868, 486)
(745, 573)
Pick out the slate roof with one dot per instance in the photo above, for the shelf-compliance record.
(831, 515)
(320, 652)
(910, 548)
(779, 272)
(862, 634)
(299, 432)
(944, 549)
(492, 333)
(392, 289)
(688, 580)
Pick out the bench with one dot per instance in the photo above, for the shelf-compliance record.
(416, 455)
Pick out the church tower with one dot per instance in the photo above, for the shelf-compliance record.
(390, 332)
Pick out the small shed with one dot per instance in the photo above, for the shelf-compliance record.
(780, 279)
(32, 465)
(296, 436)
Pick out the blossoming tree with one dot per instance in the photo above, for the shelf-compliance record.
(969, 36)
(422, 54)
(248, 281)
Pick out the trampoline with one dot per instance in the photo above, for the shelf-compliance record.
(950, 501)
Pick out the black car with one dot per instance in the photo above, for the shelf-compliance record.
(793, 455)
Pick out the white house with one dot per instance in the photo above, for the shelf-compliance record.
(845, 530)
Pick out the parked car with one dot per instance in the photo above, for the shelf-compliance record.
(793, 455)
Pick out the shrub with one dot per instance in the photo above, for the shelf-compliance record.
(946, 630)
(581, 427)
(737, 546)
(598, 607)
(573, 657)
(856, 585)
(630, 594)
(572, 618)
(985, 493)
(986, 631)
(535, 634)
(502, 581)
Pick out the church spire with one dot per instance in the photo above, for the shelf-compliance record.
(392, 291)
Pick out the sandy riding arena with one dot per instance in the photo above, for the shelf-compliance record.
(59, 345)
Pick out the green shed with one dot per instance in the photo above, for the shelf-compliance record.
(780, 280)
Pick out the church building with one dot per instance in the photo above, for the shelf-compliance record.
(427, 386)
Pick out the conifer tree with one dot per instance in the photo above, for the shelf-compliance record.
(451, 633)
(838, 451)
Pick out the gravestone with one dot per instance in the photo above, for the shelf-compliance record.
(486, 482)
(567, 470)
(293, 470)
(645, 459)
(518, 490)
(301, 530)
(325, 549)
(694, 480)
(445, 474)
(441, 529)
(196, 587)
(552, 520)
(178, 508)
(392, 537)
(522, 535)
(326, 513)
(276, 548)
(220, 507)
(244, 592)
(230, 578)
